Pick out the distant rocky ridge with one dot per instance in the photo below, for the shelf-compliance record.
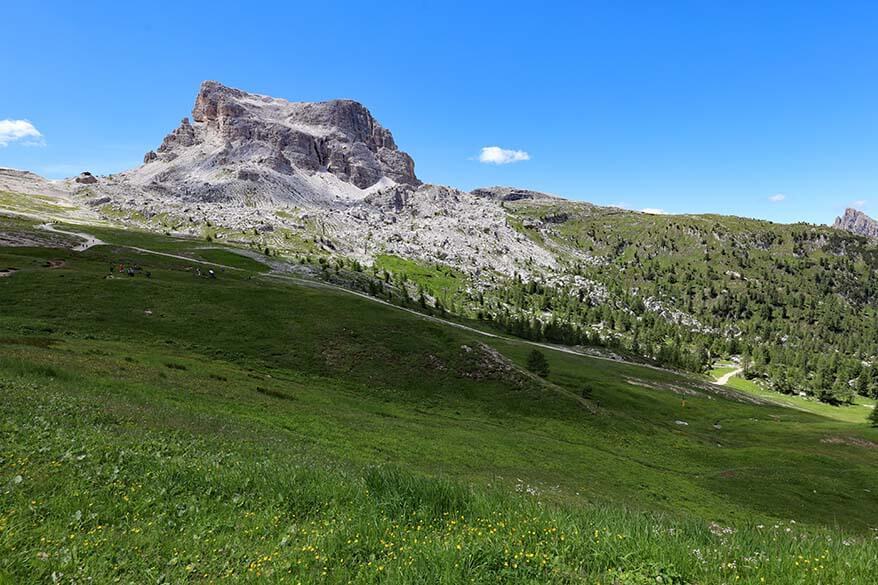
(857, 222)
(28, 183)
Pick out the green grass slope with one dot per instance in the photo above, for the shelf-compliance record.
(181, 428)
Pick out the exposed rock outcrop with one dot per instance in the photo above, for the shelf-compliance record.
(510, 194)
(285, 151)
(857, 222)
(86, 178)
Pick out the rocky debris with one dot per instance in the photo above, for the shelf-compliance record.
(857, 222)
(98, 201)
(436, 224)
(86, 178)
(556, 218)
(579, 286)
(511, 194)
(434, 362)
(482, 362)
(150, 156)
(675, 316)
(393, 199)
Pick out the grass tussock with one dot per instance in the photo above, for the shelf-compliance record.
(24, 368)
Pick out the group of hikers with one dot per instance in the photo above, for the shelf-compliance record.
(135, 269)
(130, 270)
(208, 274)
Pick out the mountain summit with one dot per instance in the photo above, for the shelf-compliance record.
(241, 144)
(857, 222)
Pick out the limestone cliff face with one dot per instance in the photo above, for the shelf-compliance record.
(238, 142)
(857, 222)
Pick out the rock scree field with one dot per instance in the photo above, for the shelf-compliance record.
(184, 426)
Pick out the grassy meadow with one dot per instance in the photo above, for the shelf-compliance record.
(180, 428)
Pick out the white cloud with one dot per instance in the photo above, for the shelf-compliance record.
(494, 155)
(777, 197)
(654, 211)
(858, 204)
(12, 130)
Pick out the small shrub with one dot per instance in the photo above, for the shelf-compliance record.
(537, 363)
(26, 369)
(586, 391)
(274, 393)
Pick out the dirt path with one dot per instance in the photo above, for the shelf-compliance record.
(724, 379)
(90, 240)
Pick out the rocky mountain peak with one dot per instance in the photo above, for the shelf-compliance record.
(857, 222)
(280, 149)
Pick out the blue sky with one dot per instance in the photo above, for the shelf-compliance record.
(763, 109)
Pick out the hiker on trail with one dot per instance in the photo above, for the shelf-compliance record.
(212, 273)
